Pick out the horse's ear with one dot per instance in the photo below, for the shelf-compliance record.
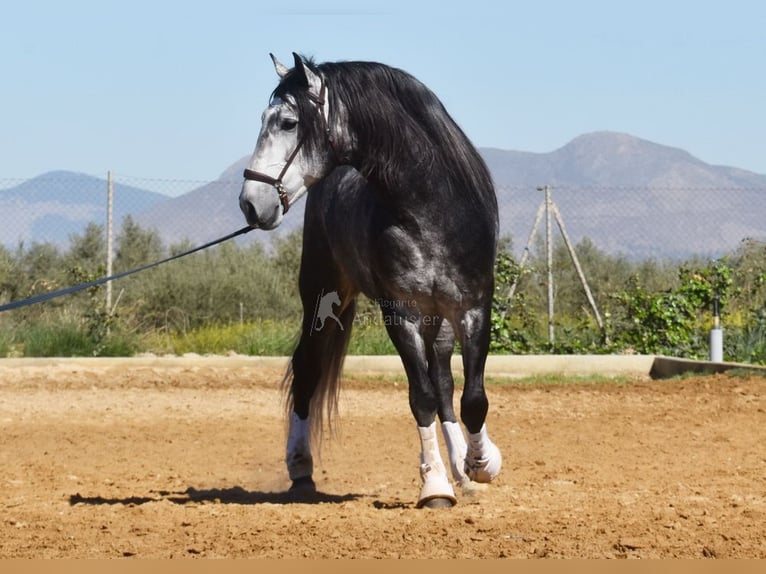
(279, 66)
(312, 79)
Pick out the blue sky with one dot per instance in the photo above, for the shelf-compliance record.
(175, 90)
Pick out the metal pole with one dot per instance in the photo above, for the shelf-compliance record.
(549, 257)
(109, 233)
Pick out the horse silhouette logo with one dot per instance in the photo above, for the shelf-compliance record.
(324, 310)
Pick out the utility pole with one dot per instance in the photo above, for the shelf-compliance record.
(550, 209)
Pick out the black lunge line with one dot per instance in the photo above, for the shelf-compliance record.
(95, 283)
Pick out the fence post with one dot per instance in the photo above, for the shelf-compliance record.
(109, 234)
(549, 260)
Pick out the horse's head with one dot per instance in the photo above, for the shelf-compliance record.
(293, 147)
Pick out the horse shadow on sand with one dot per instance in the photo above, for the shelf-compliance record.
(231, 495)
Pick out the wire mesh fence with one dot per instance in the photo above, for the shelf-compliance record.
(54, 231)
(637, 222)
(54, 207)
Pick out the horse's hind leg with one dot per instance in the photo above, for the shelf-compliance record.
(483, 460)
(436, 491)
(439, 354)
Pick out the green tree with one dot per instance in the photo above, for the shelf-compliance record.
(513, 325)
(89, 249)
(672, 322)
(9, 276)
(136, 246)
(42, 267)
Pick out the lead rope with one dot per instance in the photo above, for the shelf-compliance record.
(95, 283)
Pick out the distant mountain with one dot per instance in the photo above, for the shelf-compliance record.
(628, 195)
(610, 159)
(631, 196)
(50, 207)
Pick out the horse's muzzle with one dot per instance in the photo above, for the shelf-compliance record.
(262, 208)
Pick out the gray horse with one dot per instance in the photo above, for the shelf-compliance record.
(400, 207)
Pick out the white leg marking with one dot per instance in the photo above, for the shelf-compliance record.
(299, 461)
(484, 459)
(432, 469)
(456, 450)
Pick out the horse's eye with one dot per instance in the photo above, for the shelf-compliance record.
(288, 124)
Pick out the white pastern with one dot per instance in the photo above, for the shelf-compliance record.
(484, 460)
(456, 449)
(299, 461)
(432, 469)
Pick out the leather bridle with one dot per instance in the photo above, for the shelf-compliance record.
(276, 182)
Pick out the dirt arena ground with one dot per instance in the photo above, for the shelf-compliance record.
(187, 461)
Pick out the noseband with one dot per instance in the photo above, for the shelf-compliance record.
(276, 182)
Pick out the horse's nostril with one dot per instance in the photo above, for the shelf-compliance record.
(251, 216)
(249, 210)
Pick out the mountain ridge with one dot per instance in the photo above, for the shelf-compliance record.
(628, 195)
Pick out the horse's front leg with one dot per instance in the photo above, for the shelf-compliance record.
(313, 379)
(313, 389)
(305, 378)
(298, 457)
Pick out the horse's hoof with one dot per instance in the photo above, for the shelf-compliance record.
(437, 502)
(303, 485)
(484, 469)
(436, 492)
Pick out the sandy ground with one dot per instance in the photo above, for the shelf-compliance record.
(139, 461)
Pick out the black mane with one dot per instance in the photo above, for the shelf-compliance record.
(384, 107)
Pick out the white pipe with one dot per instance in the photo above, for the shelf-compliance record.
(716, 345)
